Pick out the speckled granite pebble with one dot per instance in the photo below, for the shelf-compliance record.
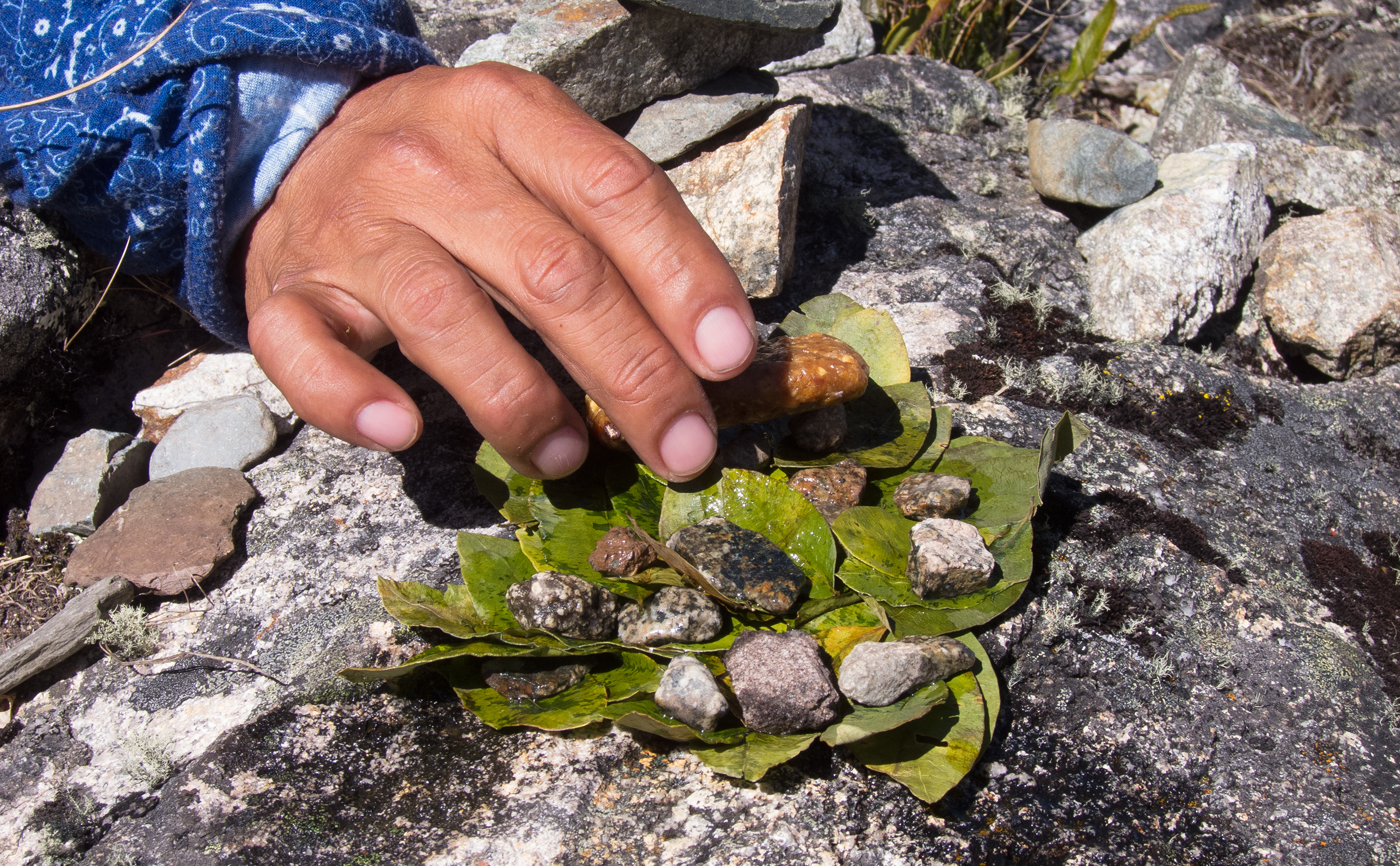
(672, 614)
(948, 558)
(782, 684)
(564, 604)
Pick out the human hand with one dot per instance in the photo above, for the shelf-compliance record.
(432, 193)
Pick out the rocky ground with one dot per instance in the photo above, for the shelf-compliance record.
(1206, 668)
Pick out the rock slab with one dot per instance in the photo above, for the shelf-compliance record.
(170, 534)
(1329, 287)
(688, 691)
(235, 432)
(777, 14)
(96, 473)
(564, 604)
(1074, 161)
(667, 129)
(745, 195)
(948, 558)
(742, 564)
(1161, 268)
(782, 684)
(672, 614)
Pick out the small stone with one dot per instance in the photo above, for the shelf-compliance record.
(745, 195)
(672, 614)
(777, 14)
(929, 494)
(513, 681)
(1074, 161)
(170, 534)
(620, 553)
(831, 489)
(820, 431)
(878, 674)
(96, 473)
(688, 692)
(947, 558)
(782, 684)
(749, 450)
(742, 564)
(790, 375)
(948, 656)
(1329, 287)
(1161, 268)
(205, 377)
(235, 432)
(664, 130)
(564, 604)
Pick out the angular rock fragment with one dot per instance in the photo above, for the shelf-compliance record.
(96, 473)
(820, 431)
(1074, 161)
(781, 682)
(947, 558)
(203, 378)
(778, 14)
(564, 604)
(1161, 268)
(513, 681)
(929, 494)
(749, 450)
(664, 130)
(170, 534)
(1329, 287)
(849, 38)
(672, 614)
(688, 692)
(235, 432)
(745, 195)
(831, 489)
(742, 564)
(620, 553)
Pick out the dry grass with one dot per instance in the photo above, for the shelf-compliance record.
(31, 571)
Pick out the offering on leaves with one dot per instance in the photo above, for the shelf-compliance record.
(878, 674)
(672, 614)
(948, 558)
(819, 431)
(620, 553)
(782, 684)
(929, 494)
(689, 692)
(742, 564)
(831, 489)
(564, 604)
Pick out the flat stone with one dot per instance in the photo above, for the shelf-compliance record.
(612, 59)
(777, 14)
(564, 604)
(514, 681)
(782, 684)
(205, 377)
(745, 195)
(171, 533)
(96, 473)
(1329, 287)
(688, 692)
(44, 289)
(878, 674)
(1161, 268)
(831, 489)
(742, 564)
(1074, 161)
(620, 553)
(749, 450)
(948, 558)
(235, 432)
(929, 494)
(666, 129)
(849, 39)
(820, 431)
(672, 614)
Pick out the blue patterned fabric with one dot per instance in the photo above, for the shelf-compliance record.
(145, 152)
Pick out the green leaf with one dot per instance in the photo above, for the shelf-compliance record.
(766, 506)
(856, 614)
(902, 35)
(930, 755)
(886, 428)
(636, 672)
(864, 722)
(754, 757)
(444, 653)
(489, 566)
(877, 538)
(644, 715)
(1088, 51)
(819, 315)
(813, 608)
(987, 683)
(417, 604)
(532, 546)
(1056, 445)
(872, 333)
(573, 708)
(838, 641)
(502, 486)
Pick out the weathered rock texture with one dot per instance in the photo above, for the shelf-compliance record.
(672, 614)
(948, 558)
(201, 379)
(96, 473)
(234, 432)
(1329, 287)
(43, 288)
(831, 489)
(1161, 268)
(742, 564)
(745, 195)
(778, 14)
(1074, 161)
(449, 26)
(688, 692)
(564, 604)
(781, 682)
(668, 128)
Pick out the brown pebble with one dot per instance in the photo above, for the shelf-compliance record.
(929, 494)
(620, 553)
(831, 489)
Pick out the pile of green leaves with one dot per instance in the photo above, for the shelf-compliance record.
(928, 741)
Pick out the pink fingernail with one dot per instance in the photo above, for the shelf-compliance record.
(723, 339)
(388, 425)
(560, 453)
(688, 447)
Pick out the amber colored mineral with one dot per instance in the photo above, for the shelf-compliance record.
(620, 553)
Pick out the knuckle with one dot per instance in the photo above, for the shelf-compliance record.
(492, 83)
(409, 152)
(615, 176)
(425, 296)
(563, 273)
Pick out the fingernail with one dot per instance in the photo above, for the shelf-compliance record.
(723, 340)
(560, 453)
(688, 447)
(388, 425)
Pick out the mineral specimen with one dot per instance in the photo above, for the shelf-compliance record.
(781, 683)
(742, 564)
(621, 553)
(564, 604)
(928, 494)
(688, 691)
(672, 614)
(947, 558)
(832, 489)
